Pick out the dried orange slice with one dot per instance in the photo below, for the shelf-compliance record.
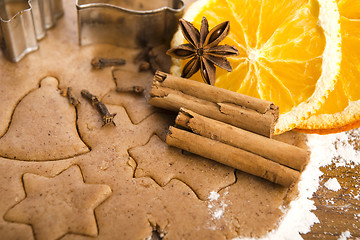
(289, 51)
(341, 111)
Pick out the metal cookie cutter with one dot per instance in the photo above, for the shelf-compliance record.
(128, 23)
(24, 22)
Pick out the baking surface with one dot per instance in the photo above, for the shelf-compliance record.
(59, 166)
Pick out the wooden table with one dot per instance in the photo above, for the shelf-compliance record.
(337, 211)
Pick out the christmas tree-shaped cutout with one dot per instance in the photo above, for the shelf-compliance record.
(43, 127)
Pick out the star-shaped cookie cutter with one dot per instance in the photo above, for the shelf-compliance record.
(125, 23)
(24, 22)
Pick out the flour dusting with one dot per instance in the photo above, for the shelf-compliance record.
(325, 150)
(213, 196)
(344, 235)
(216, 208)
(333, 184)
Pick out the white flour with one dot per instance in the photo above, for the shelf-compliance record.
(333, 184)
(215, 207)
(325, 149)
(213, 196)
(344, 235)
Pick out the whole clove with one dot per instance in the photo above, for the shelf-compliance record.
(143, 54)
(100, 63)
(72, 98)
(107, 117)
(147, 60)
(133, 89)
(154, 66)
(144, 66)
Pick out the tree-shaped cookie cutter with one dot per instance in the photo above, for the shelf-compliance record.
(24, 22)
(128, 23)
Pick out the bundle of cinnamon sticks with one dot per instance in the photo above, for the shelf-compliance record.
(227, 127)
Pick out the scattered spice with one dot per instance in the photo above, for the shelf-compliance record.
(143, 54)
(105, 114)
(100, 63)
(133, 89)
(144, 66)
(154, 66)
(72, 98)
(148, 60)
(203, 49)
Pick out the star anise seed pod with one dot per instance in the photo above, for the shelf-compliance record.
(203, 49)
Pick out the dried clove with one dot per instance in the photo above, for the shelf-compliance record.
(154, 66)
(100, 63)
(107, 117)
(70, 95)
(133, 89)
(144, 66)
(143, 54)
(147, 60)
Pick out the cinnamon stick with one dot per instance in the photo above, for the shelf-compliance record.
(280, 152)
(255, 115)
(232, 156)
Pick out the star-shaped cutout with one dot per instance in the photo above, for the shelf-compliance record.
(200, 174)
(59, 205)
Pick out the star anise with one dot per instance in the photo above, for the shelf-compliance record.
(204, 49)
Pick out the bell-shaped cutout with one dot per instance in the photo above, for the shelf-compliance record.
(43, 127)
